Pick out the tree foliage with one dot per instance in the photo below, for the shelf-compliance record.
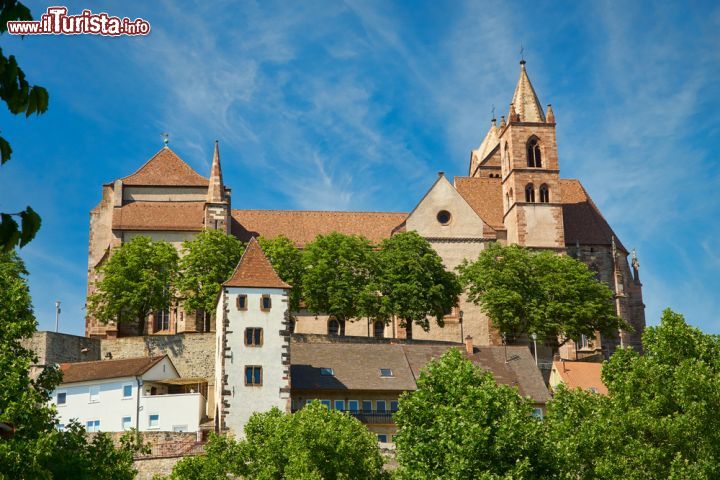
(287, 261)
(412, 282)
(208, 261)
(460, 424)
(314, 443)
(338, 270)
(136, 280)
(20, 97)
(524, 291)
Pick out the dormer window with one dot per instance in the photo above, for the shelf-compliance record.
(386, 373)
(534, 158)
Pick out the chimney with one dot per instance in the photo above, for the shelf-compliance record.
(469, 345)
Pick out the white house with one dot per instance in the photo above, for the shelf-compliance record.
(144, 393)
(252, 361)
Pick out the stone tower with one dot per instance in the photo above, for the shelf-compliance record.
(532, 202)
(217, 205)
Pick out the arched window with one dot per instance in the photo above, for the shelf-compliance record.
(533, 153)
(507, 156)
(530, 193)
(333, 327)
(507, 201)
(544, 194)
(379, 329)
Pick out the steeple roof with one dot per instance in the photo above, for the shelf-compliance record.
(491, 141)
(216, 189)
(165, 168)
(525, 99)
(254, 270)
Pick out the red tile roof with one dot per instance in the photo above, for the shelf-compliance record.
(165, 168)
(99, 370)
(484, 195)
(159, 216)
(254, 270)
(303, 226)
(582, 375)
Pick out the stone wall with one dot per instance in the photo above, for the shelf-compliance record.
(54, 347)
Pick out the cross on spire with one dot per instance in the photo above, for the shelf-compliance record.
(522, 51)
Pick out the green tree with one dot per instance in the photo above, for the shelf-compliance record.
(554, 296)
(136, 280)
(287, 261)
(660, 419)
(20, 97)
(338, 271)
(412, 282)
(460, 424)
(209, 260)
(314, 443)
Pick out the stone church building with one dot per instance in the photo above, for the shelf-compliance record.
(512, 194)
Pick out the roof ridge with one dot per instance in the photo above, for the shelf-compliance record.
(313, 211)
(166, 178)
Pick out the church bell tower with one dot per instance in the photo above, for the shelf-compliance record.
(217, 205)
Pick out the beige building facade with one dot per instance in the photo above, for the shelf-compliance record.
(513, 194)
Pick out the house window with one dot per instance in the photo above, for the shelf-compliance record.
(335, 328)
(126, 423)
(326, 372)
(94, 394)
(154, 421)
(241, 302)
(386, 372)
(127, 391)
(533, 153)
(367, 405)
(253, 337)
(253, 376)
(381, 406)
(265, 303)
(162, 320)
(379, 329)
(326, 403)
(530, 193)
(538, 413)
(353, 405)
(382, 438)
(393, 406)
(340, 405)
(61, 398)
(92, 426)
(444, 217)
(544, 194)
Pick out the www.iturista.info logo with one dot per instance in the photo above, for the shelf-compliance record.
(56, 21)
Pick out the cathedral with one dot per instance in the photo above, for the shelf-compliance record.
(512, 194)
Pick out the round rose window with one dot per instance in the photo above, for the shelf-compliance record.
(443, 217)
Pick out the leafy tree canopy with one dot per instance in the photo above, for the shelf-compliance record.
(209, 259)
(314, 443)
(287, 261)
(412, 281)
(338, 270)
(136, 280)
(20, 97)
(524, 291)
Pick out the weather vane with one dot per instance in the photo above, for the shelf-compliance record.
(493, 111)
(522, 51)
(166, 138)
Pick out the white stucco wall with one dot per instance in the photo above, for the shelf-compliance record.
(242, 400)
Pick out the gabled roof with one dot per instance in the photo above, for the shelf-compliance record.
(488, 145)
(159, 216)
(484, 195)
(104, 369)
(165, 168)
(525, 99)
(254, 270)
(303, 226)
(582, 375)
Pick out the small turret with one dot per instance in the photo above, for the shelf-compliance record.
(550, 114)
(217, 205)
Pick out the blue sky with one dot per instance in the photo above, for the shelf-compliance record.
(356, 105)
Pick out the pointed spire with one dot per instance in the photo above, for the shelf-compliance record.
(216, 189)
(492, 140)
(550, 114)
(254, 270)
(502, 121)
(525, 99)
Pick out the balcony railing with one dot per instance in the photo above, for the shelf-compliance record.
(374, 417)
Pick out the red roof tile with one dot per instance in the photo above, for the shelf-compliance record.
(484, 195)
(165, 168)
(254, 270)
(99, 370)
(582, 375)
(159, 216)
(303, 226)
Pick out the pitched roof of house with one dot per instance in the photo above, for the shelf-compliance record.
(582, 375)
(254, 270)
(165, 168)
(303, 226)
(103, 369)
(356, 366)
(159, 216)
(525, 99)
(484, 195)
